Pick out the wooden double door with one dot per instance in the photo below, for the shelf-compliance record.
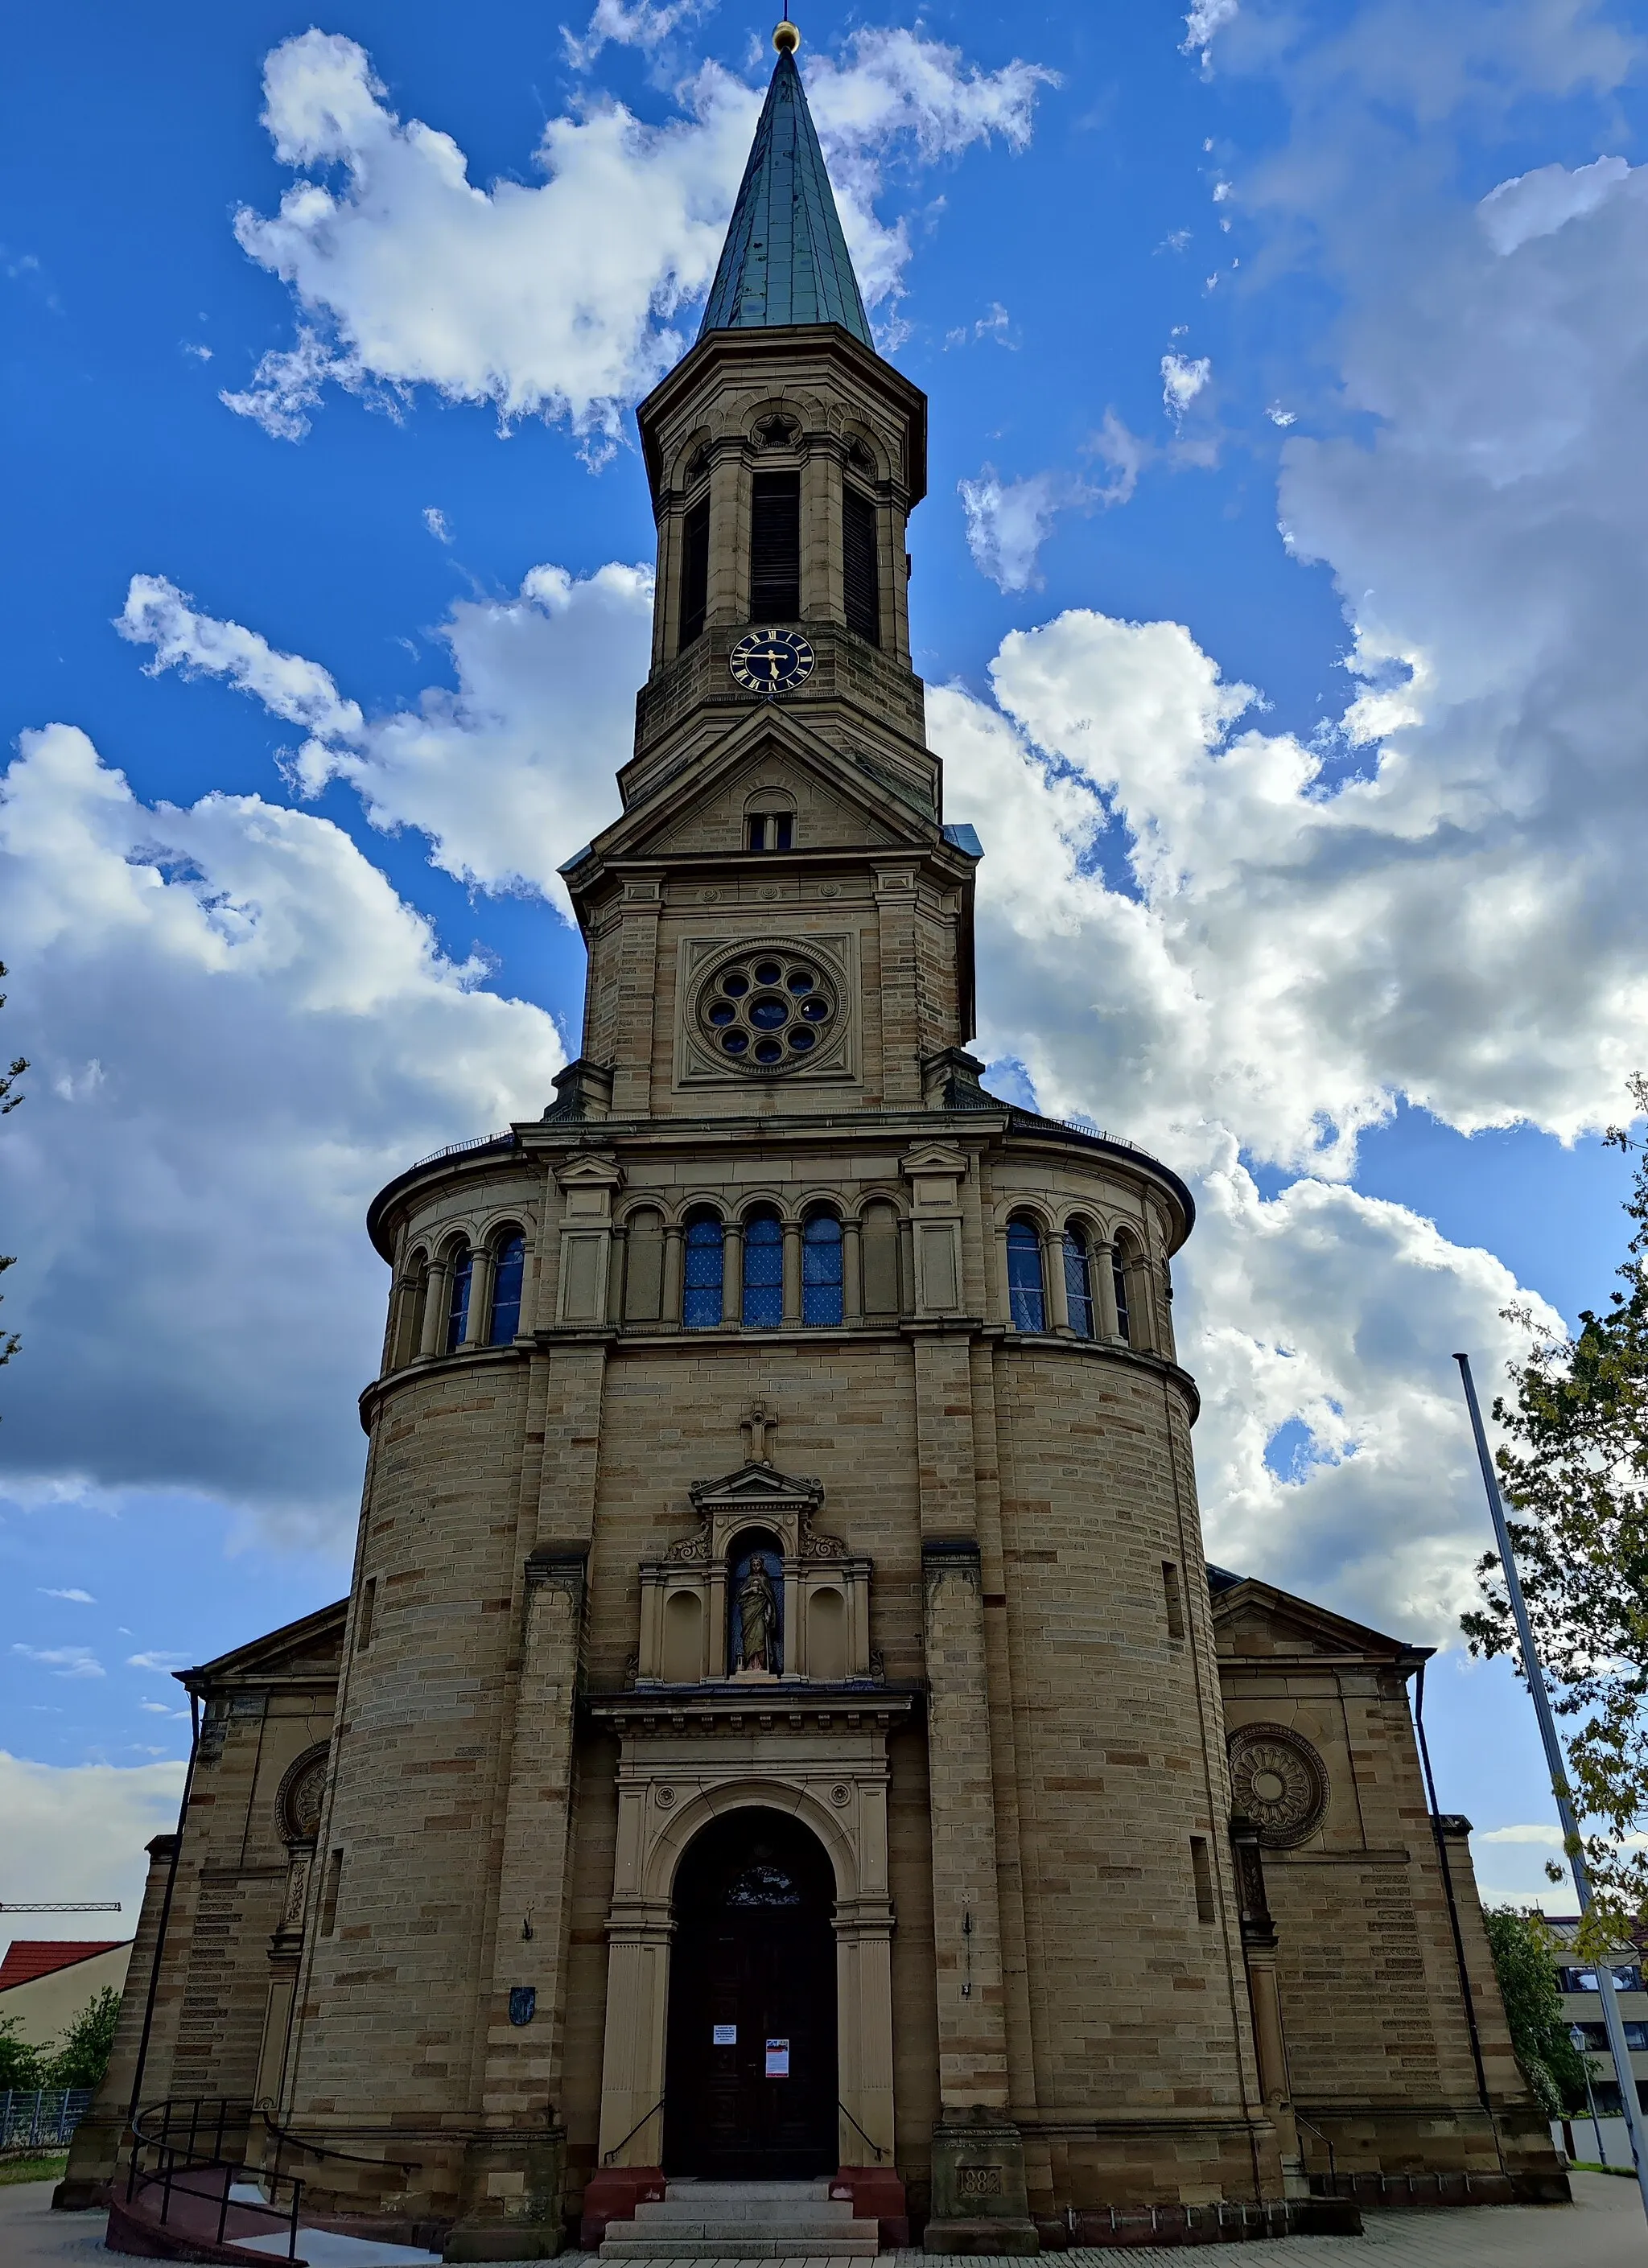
(749, 2085)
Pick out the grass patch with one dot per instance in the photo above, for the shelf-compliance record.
(1590, 2166)
(33, 2170)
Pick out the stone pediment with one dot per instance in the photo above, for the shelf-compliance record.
(309, 1649)
(772, 743)
(756, 1495)
(1253, 1620)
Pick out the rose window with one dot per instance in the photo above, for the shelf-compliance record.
(1279, 1781)
(769, 1010)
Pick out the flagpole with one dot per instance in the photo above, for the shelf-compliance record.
(1534, 1672)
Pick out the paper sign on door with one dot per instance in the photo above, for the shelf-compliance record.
(726, 2036)
(777, 2058)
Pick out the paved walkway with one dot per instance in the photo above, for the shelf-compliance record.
(1603, 2228)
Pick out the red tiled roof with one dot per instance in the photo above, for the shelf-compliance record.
(28, 1957)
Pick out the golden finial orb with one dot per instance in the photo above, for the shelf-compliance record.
(786, 38)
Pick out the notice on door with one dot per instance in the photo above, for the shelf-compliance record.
(777, 2058)
(726, 2036)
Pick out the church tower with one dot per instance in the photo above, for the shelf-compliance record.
(779, 1615)
(777, 1730)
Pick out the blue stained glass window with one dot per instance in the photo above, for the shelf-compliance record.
(458, 1306)
(1078, 1284)
(507, 1274)
(1119, 1278)
(821, 1272)
(701, 1297)
(1023, 1277)
(764, 1272)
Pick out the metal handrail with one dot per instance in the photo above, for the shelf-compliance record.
(858, 2131)
(609, 2155)
(1299, 2119)
(191, 2157)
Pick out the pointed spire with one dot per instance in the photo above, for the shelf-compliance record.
(785, 259)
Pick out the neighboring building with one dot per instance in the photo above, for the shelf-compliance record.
(45, 1981)
(778, 1726)
(1581, 2006)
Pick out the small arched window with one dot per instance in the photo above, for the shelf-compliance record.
(463, 1266)
(1023, 1276)
(409, 1339)
(1118, 1278)
(821, 1272)
(1078, 1283)
(701, 1295)
(509, 1269)
(764, 1272)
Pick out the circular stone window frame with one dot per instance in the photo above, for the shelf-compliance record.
(296, 1772)
(828, 982)
(1293, 1818)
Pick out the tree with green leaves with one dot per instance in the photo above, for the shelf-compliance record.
(9, 1101)
(1574, 1470)
(1525, 1963)
(83, 2053)
(21, 2065)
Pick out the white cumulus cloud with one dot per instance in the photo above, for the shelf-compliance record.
(279, 1033)
(79, 1832)
(565, 297)
(507, 775)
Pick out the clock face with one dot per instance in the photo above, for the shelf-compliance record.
(771, 661)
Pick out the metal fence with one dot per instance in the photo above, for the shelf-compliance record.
(40, 2118)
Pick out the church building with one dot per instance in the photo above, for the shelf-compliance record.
(783, 1751)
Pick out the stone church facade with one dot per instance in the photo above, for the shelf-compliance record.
(783, 1722)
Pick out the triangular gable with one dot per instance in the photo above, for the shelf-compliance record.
(310, 1647)
(774, 735)
(754, 1488)
(1251, 1620)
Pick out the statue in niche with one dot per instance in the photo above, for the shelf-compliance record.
(757, 1617)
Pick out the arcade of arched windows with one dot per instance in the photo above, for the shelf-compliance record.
(460, 1291)
(814, 1266)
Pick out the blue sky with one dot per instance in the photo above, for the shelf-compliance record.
(1279, 586)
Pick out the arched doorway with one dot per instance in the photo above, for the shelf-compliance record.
(750, 2071)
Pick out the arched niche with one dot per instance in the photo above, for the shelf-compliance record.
(819, 1587)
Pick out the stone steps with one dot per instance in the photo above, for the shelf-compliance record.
(742, 2221)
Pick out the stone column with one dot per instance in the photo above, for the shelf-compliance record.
(1258, 1953)
(822, 592)
(514, 2173)
(1107, 1321)
(96, 2150)
(792, 1273)
(728, 593)
(434, 1340)
(477, 1322)
(852, 1273)
(637, 993)
(733, 1274)
(671, 1301)
(616, 1267)
(1052, 1273)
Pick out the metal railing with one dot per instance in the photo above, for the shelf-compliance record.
(456, 1149)
(41, 2117)
(858, 2131)
(610, 2155)
(193, 2162)
(195, 2146)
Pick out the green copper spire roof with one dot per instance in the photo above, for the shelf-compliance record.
(785, 259)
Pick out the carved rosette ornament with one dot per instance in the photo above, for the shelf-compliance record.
(298, 1802)
(1279, 1780)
